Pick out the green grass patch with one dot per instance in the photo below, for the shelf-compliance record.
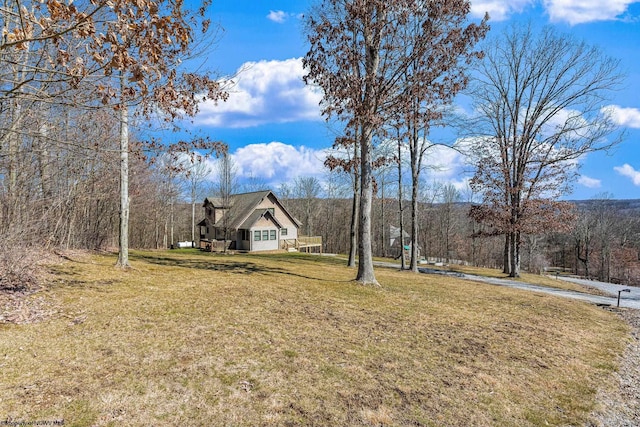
(189, 338)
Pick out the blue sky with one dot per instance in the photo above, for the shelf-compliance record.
(272, 123)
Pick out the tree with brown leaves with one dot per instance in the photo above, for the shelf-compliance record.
(539, 98)
(126, 54)
(438, 45)
(360, 53)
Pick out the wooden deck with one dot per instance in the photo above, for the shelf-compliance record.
(308, 244)
(215, 245)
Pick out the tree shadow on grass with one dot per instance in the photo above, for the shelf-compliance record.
(226, 265)
(67, 275)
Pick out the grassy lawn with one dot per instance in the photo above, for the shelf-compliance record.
(195, 339)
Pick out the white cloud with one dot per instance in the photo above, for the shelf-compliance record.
(563, 120)
(571, 11)
(589, 182)
(628, 171)
(277, 162)
(277, 16)
(444, 164)
(498, 10)
(629, 117)
(264, 92)
(582, 11)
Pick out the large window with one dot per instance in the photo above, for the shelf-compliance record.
(265, 234)
(273, 235)
(257, 236)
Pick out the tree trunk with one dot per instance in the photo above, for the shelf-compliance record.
(415, 174)
(193, 223)
(171, 222)
(403, 264)
(382, 222)
(365, 275)
(193, 213)
(506, 255)
(515, 255)
(353, 234)
(123, 250)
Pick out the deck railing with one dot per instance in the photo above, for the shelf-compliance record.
(303, 243)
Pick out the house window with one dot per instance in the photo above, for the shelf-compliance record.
(273, 235)
(283, 231)
(265, 234)
(256, 236)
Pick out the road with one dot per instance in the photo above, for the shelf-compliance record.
(627, 299)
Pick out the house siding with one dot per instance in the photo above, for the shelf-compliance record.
(281, 217)
(264, 245)
(272, 225)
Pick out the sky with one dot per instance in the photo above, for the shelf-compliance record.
(272, 122)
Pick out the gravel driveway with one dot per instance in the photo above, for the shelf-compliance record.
(621, 406)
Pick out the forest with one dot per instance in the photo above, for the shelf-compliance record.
(84, 85)
(601, 243)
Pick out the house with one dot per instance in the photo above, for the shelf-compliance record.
(399, 245)
(251, 222)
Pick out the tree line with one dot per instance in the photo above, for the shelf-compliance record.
(601, 241)
(391, 71)
(82, 83)
(78, 82)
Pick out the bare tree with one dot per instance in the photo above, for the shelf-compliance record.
(438, 45)
(449, 196)
(131, 53)
(253, 183)
(347, 160)
(539, 98)
(195, 175)
(226, 187)
(308, 189)
(358, 56)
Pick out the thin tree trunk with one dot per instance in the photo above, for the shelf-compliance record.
(171, 219)
(414, 221)
(355, 208)
(353, 233)
(403, 263)
(193, 222)
(506, 258)
(382, 222)
(515, 255)
(123, 250)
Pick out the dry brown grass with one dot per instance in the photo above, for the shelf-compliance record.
(198, 339)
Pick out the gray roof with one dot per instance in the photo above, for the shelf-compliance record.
(255, 216)
(243, 209)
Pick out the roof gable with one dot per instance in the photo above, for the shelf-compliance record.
(244, 206)
(255, 217)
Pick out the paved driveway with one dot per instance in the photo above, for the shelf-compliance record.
(627, 299)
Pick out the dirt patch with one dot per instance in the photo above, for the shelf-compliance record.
(20, 308)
